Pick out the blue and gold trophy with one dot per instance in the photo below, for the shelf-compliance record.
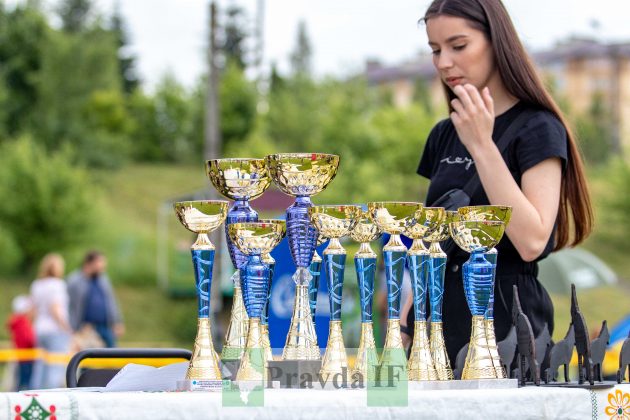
(255, 239)
(364, 232)
(334, 222)
(264, 319)
(241, 180)
(301, 175)
(202, 217)
(500, 214)
(394, 218)
(437, 271)
(316, 270)
(477, 238)
(420, 365)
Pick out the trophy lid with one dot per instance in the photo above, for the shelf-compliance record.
(441, 233)
(201, 216)
(365, 230)
(239, 178)
(394, 217)
(429, 220)
(257, 237)
(477, 235)
(334, 221)
(302, 174)
(489, 212)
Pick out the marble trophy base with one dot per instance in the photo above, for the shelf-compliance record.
(463, 384)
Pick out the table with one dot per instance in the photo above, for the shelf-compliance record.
(523, 403)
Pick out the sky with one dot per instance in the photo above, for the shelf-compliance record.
(170, 35)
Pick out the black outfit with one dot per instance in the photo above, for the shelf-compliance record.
(448, 165)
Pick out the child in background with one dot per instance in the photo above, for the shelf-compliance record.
(22, 336)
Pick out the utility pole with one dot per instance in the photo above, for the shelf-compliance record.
(212, 143)
(212, 150)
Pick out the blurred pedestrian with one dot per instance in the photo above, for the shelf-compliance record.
(92, 300)
(52, 329)
(23, 336)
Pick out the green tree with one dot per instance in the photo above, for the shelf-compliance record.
(302, 53)
(594, 131)
(76, 15)
(234, 36)
(126, 60)
(55, 207)
(238, 98)
(23, 37)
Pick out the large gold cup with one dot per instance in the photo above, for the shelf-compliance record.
(394, 218)
(364, 232)
(301, 175)
(421, 366)
(437, 267)
(202, 217)
(241, 180)
(334, 222)
(255, 239)
(477, 237)
(500, 214)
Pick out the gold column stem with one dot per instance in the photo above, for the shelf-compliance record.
(301, 341)
(439, 353)
(254, 364)
(335, 360)
(478, 360)
(394, 355)
(203, 363)
(420, 365)
(494, 350)
(266, 342)
(236, 335)
(366, 362)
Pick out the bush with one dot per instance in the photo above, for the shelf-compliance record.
(47, 204)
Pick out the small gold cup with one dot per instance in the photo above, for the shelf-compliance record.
(334, 222)
(255, 239)
(477, 237)
(421, 366)
(500, 214)
(202, 217)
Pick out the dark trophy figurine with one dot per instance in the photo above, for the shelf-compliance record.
(507, 348)
(525, 343)
(561, 356)
(598, 351)
(582, 343)
(624, 360)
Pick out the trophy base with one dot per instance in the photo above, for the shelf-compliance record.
(467, 384)
(294, 373)
(200, 385)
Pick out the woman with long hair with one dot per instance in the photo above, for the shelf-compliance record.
(489, 80)
(52, 329)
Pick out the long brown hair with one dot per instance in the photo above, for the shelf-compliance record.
(522, 81)
(52, 265)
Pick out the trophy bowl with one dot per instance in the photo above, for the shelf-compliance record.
(489, 213)
(442, 232)
(201, 216)
(239, 179)
(257, 237)
(430, 219)
(365, 230)
(394, 217)
(334, 221)
(302, 174)
(477, 236)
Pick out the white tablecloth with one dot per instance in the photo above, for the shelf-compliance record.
(523, 403)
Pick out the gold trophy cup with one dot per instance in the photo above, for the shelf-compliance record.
(334, 222)
(202, 217)
(241, 180)
(255, 239)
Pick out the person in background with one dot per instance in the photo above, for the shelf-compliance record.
(92, 300)
(52, 329)
(22, 336)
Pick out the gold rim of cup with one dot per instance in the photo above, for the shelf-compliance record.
(201, 216)
(232, 177)
(302, 174)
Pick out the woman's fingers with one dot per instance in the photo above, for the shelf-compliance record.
(475, 97)
(487, 99)
(463, 96)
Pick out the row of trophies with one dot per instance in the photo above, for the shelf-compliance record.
(250, 241)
